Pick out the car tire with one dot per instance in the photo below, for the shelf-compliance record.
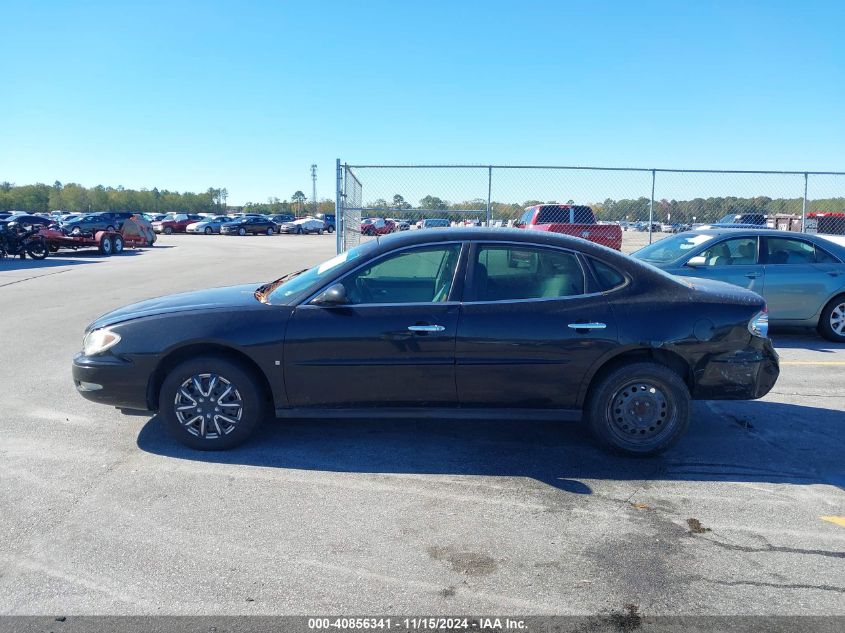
(638, 409)
(242, 231)
(208, 230)
(168, 230)
(270, 231)
(117, 244)
(330, 229)
(832, 320)
(106, 246)
(211, 430)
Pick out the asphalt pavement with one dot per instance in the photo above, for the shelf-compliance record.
(102, 513)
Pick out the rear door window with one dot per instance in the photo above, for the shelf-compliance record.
(516, 272)
(784, 250)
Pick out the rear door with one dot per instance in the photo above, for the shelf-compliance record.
(799, 278)
(529, 329)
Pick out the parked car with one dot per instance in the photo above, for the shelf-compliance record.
(280, 219)
(303, 225)
(329, 219)
(176, 224)
(801, 277)
(377, 226)
(739, 221)
(27, 220)
(90, 223)
(254, 225)
(481, 322)
(401, 225)
(208, 225)
(433, 223)
(570, 219)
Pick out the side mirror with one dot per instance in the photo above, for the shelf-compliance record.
(697, 262)
(334, 295)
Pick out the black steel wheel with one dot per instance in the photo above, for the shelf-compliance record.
(641, 408)
(211, 403)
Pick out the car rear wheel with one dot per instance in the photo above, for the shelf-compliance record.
(832, 320)
(110, 229)
(641, 408)
(241, 231)
(211, 403)
(330, 229)
(270, 231)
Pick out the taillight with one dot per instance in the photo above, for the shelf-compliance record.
(759, 324)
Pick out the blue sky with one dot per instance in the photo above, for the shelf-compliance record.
(185, 95)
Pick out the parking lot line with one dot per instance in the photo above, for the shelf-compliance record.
(840, 521)
(835, 363)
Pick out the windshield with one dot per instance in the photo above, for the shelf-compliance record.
(731, 218)
(670, 249)
(282, 289)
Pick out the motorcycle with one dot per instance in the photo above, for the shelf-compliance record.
(16, 240)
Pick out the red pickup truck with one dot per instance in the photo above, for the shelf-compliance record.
(571, 219)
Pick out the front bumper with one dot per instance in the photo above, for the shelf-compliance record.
(111, 380)
(747, 374)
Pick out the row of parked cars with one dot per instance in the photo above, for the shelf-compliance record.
(247, 224)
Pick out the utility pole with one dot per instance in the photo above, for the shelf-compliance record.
(314, 187)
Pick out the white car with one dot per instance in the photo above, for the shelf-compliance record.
(303, 225)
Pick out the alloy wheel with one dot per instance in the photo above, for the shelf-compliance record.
(208, 406)
(837, 319)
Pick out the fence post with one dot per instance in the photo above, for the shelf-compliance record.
(489, 190)
(338, 210)
(651, 207)
(804, 207)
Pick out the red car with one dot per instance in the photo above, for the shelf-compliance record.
(377, 226)
(175, 223)
(571, 219)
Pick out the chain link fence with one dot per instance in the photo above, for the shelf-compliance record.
(646, 203)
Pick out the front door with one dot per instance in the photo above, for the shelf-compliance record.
(735, 261)
(528, 331)
(392, 344)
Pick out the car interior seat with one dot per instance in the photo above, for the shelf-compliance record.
(746, 254)
(719, 255)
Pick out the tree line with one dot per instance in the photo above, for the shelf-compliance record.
(630, 209)
(42, 198)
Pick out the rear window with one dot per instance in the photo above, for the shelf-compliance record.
(553, 214)
(608, 277)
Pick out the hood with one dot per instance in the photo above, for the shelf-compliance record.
(214, 298)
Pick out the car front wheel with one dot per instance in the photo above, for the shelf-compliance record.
(270, 231)
(832, 320)
(641, 408)
(211, 403)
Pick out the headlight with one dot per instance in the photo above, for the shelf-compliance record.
(759, 324)
(99, 341)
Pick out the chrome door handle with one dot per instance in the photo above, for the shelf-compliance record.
(426, 328)
(752, 275)
(588, 326)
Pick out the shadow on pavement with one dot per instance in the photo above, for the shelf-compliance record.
(753, 442)
(9, 263)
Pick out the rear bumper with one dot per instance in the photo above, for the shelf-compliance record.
(744, 375)
(110, 380)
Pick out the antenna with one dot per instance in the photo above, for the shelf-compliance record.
(314, 187)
